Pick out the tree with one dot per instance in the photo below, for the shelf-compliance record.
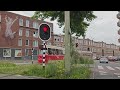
(78, 19)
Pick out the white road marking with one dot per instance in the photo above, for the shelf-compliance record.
(110, 68)
(103, 73)
(118, 68)
(100, 67)
(117, 73)
(18, 75)
(21, 63)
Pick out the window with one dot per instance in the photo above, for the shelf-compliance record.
(19, 42)
(35, 43)
(20, 32)
(85, 42)
(58, 39)
(0, 27)
(18, 53)
(27, 43)
(27, 33)
(48, 43)
(62, 39)
(26, 52)
(0, 17)
(27, 23)
(6, 52)
(35, 34)
(21, 22)
(55, 39)
(35, 52)
(35, 25)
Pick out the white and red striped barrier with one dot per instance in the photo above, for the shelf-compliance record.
(50, 57)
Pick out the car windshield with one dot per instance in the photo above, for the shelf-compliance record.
(103, 58)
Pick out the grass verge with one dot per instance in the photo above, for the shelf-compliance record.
(53, 70)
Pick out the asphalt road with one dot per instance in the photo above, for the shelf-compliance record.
(110, 70)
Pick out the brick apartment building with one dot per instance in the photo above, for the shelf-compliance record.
(97, 48)
(18, 35)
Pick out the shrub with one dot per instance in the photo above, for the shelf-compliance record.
(80, 73)
(50, 70)
(34, 70)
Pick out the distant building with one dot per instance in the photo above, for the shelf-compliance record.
(97, 48)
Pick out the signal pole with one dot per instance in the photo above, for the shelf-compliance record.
(44, 35)
(44, 52)
(67, 42)
(32, 55)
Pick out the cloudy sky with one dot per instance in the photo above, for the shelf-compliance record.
(103, 28)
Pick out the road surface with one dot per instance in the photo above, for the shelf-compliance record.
(110, 70)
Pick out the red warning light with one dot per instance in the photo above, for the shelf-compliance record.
(45, 29)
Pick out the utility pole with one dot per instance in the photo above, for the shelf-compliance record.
(67, 42)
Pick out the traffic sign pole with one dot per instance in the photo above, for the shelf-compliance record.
(32, 55)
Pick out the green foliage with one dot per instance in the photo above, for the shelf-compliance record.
(78, 19)
(80, 73)
(76, 58)
(81, 60)
(34, 70)
(50, 70)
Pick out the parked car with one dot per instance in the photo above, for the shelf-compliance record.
(115, 58)
(103, 60)
(97, 58)
(118, 58)
(110, 58)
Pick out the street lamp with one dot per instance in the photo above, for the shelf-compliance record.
(118, 24)
(118, 15)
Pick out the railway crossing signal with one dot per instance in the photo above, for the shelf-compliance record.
(44, 32)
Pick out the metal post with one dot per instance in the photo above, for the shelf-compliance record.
(83, 43)
(67, 42)
(44, 57)
(32, 55)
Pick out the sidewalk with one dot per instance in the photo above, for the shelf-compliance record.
(20, 61)
(9, 76)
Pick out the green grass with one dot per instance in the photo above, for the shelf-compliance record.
(54, 69)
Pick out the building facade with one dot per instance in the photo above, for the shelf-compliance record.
(97, 48)
(18, 35)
